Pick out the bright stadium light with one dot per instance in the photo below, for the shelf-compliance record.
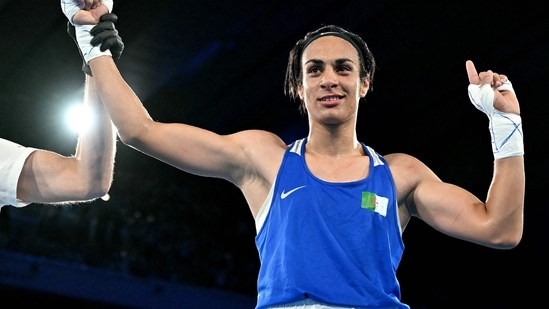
(78, 117)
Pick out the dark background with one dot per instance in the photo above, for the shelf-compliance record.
(221, 66)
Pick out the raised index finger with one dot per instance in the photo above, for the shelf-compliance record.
(472, 73)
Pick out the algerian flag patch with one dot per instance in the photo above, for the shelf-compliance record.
(375, 203)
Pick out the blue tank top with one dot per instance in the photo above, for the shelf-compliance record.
(338, 243)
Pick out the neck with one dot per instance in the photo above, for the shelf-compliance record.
(334, 147)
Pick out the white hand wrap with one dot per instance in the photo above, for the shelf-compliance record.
(83, 36)
(505, 128)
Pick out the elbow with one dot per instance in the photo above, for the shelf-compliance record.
(507, 241)
(133, 136)
(129, 139)
(508, 245)
(512, 242)
(97, 191)
(103, 188)
(507, 233)
(96, 188)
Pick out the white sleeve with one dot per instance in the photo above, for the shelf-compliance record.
(12, 158)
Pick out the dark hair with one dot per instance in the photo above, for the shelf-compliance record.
(294, 71)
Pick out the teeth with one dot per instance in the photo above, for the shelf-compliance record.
(330, 99)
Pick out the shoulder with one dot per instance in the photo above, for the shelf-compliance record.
(262, 150)
(403, 161)
(261, 153)
(408, 171)
(260, 139)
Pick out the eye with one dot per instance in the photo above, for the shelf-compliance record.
(314, 70)
(344, 68)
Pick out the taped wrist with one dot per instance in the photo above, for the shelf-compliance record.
(89, 51)
(505, 128)
(506, 132)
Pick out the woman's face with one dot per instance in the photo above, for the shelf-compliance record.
(331, 87)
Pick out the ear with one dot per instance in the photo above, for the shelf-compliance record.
(300, 92)
(364, 87)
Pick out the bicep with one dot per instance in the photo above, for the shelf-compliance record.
(192, 149)
(48, 177)
(449, 208)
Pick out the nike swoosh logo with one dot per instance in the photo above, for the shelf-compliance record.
(285, 194)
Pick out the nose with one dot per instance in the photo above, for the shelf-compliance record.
(329, 79)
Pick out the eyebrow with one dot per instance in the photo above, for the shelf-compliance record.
(338, 61)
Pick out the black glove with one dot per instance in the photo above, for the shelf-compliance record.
(105, 34)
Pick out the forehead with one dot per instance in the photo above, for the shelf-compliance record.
(330, 47)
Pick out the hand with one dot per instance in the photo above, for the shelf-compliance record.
(505, 99)
(85, 12)
(105, 33)
(91, 16)
(88, 4)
